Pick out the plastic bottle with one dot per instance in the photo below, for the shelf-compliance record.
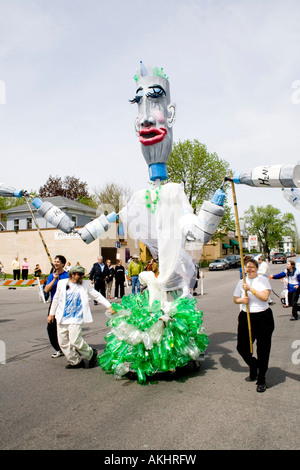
(210, 215)
(143, 69)
(9, 191)
(97, 227)
(54, 215)
(293, 196)
(272, 176)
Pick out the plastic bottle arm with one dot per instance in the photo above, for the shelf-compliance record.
(202, 227)
(9, 191)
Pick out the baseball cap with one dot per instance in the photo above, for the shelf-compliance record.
(77, 269)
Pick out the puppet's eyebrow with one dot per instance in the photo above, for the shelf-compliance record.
(138, 95)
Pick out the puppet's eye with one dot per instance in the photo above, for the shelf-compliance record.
(155, 93)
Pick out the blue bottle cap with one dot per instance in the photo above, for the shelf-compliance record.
(219, 197)
(112, 217)
(158, 171)
(37, 203)
(236, 177)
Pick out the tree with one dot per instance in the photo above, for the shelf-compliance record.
(200, 172)
(270, 225)
(112, 197)
(70, 187)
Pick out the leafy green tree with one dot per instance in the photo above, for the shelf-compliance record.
(270, 225)
(201, 174)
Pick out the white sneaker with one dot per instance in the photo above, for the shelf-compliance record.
(57, 354)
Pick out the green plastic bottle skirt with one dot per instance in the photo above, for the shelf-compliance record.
(139, 342)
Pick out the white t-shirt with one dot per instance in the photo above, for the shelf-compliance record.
(259, 283)
(73, 312)
(263, 269)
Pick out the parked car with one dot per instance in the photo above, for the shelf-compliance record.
(278, 258)
(218, 264)
(233, 260)
(289, 254)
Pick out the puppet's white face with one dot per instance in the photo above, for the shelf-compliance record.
(156, 116)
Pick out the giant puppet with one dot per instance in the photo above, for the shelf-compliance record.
(156, 332)
(153, 332)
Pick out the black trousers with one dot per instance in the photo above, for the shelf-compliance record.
(25, 274)
(119, 284)
(16, 273)
(262, 327)
(293, 302)
(52, 333)
(99, 286)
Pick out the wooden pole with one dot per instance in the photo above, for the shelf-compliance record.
(40, 234)
(242, 257)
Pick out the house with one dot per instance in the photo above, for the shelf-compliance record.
(22, 239)
(20, 217)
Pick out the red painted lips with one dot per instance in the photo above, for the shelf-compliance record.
(152, 135)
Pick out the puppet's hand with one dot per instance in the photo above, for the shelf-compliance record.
(192, 233)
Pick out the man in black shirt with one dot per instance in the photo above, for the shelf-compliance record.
(98, 275)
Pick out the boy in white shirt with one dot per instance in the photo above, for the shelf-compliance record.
(71, 308)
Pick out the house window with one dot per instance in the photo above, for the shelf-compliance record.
(29, 223)
(16, 225)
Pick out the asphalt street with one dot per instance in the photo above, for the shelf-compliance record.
(46, 406)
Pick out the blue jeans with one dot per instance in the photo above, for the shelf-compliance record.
(135, 283)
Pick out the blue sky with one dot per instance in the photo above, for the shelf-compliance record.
(68, 69)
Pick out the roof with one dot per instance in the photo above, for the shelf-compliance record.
(62, 202)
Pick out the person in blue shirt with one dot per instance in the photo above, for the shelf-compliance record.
(292, 276)
(57, 274)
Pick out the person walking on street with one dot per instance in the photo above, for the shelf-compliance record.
(57, 274)
(292, 277)
(263, 270)
(110, 278)
(98, 276)
(119, 279)
(258, 290)
(134, 269)
(71, 308)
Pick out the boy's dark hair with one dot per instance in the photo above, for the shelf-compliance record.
(61, 258)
